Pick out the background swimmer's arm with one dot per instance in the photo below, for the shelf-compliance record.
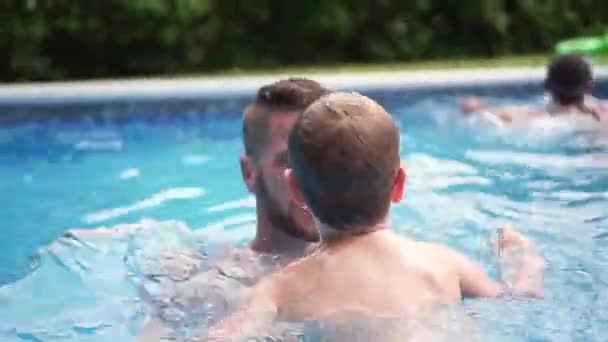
(259, 310)
(474, 105)
(498, 115)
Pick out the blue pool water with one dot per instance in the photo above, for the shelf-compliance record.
(181, 174)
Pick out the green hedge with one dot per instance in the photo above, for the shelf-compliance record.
(66, 39)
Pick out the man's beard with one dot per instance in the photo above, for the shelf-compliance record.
(280, 220)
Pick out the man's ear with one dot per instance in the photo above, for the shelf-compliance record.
(399, 184)
(589, 87)
(294, 188)
(248, 173)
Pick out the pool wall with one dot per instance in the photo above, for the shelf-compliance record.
(123, 99)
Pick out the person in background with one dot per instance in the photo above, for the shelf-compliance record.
(345, 167)
(569, 82)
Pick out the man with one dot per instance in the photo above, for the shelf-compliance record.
(344, 154)
(569, 83)
(283, 230)
(282, 227)
(183, 287)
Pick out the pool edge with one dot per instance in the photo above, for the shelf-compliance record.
(144, 89)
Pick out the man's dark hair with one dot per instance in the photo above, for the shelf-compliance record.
(288, 96)
(568, 77)
(344, 152)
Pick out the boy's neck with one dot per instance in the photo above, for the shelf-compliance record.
(329, 234)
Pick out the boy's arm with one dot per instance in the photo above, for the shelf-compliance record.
(524, 278)
(522, 267)
(474, 282)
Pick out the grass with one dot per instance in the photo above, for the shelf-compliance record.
(499, 62)
(535, 60)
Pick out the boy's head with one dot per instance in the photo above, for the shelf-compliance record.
(569, 78)
(344, 156)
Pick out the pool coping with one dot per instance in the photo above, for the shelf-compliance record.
(154, 89)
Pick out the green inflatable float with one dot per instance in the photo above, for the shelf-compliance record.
(584, 45)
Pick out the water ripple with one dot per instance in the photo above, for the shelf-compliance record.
(153, 201)
(248, 203)
(540, 161)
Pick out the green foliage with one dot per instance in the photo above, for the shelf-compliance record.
(68, 39)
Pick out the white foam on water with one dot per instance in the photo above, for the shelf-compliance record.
(99, 302)
(234, 220)
(574, 196)
(446, 182)
(92, 145)
(248, 202)
(539, 160)
(129, 173)
(425, 164)
(195, 159)
(153, 201)
(231, 229)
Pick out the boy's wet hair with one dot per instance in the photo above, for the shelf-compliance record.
(291, 95)
(568, 77)
(344, 152)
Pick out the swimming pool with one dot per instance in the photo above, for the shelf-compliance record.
(178, 167)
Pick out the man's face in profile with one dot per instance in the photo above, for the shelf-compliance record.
(271, 184)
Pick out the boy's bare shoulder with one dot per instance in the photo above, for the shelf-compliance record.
(436, 249)
(294, 279)
(447, 257)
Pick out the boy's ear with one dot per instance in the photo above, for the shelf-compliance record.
(399, 184)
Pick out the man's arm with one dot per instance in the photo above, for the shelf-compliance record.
(155, 330)
(524, 278)
(259, 310)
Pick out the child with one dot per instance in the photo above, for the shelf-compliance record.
(344, 155)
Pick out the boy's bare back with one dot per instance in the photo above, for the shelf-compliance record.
(387, 274)
(379, 272)
(383, 284)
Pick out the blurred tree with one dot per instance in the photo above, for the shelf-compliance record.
(57, 39)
